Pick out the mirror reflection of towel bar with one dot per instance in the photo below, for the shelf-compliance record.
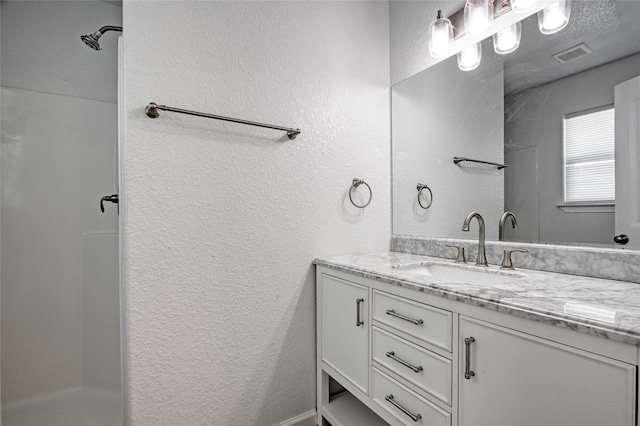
(457, 160)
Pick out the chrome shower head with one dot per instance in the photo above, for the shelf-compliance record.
(91, 40)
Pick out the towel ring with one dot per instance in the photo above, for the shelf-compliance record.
(356, 183)
(421, 187)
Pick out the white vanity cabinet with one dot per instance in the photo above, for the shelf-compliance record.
(345, 329)
(404, 357)
(392, 355)
(510, 378)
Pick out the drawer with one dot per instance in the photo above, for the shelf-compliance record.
(424, 322)
(425, 369)
(408, 407)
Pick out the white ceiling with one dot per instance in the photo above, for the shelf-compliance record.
(610, 28)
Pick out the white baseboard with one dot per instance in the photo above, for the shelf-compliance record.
(297, 419)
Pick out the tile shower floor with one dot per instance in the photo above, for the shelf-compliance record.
(73, 407)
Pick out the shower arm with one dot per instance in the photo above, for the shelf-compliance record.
(109, 28)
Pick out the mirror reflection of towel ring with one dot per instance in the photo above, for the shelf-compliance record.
(420, 188)
(356, 183)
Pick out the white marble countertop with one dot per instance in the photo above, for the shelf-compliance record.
(605, 308)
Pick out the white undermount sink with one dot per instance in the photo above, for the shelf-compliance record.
(462, 273)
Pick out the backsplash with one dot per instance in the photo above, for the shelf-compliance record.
(615, 264)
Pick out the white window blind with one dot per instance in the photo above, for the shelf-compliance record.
(589, 156)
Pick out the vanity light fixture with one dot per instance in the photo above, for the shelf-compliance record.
(554, 17)
(507, 40)
(440, 36)
(476, 21)
(522, 6)
(478, 14)
(469, 57)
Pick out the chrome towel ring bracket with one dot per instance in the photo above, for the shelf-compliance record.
(420, 188)
(356, 183)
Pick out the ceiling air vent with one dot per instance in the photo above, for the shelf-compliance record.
(572, 53)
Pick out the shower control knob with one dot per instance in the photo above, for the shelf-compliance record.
(110, 198)
(621, 239)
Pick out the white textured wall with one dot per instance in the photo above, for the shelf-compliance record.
(439, 114)
(409, 23)
(222, 221)
(534, 120)
(42, 50)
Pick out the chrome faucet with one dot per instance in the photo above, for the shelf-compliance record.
(482, 257)
(503, 220)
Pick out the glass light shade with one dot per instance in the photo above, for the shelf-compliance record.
(440, 37)
(508, 39)
(521, 6)
(478, 14)
(555, 17)
(469, 58)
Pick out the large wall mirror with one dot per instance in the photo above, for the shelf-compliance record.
(513, 110)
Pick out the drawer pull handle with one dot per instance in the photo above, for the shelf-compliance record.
(403, 317)
(468, 373)
(393, 356)
(414, 417)
(358, 322)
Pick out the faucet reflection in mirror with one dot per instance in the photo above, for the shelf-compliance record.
(478, 23)
(503, 220)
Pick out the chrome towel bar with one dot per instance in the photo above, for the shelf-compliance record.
(153, 111)
(457, 160)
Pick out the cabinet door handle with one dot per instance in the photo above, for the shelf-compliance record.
(468, 374)
(393, 356)
(358, 322)
(414, 417)
(403, 317)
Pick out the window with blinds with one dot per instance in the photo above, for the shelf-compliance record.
(589, 156)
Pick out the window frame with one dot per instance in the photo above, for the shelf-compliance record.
(583, 206)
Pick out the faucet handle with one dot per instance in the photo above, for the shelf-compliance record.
(506, 260)
(460, 258)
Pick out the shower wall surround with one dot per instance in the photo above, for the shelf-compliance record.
(42, 51)
(58, 158)
(222, 221)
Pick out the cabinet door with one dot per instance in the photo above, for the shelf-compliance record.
(521, 380)
(345, 335)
